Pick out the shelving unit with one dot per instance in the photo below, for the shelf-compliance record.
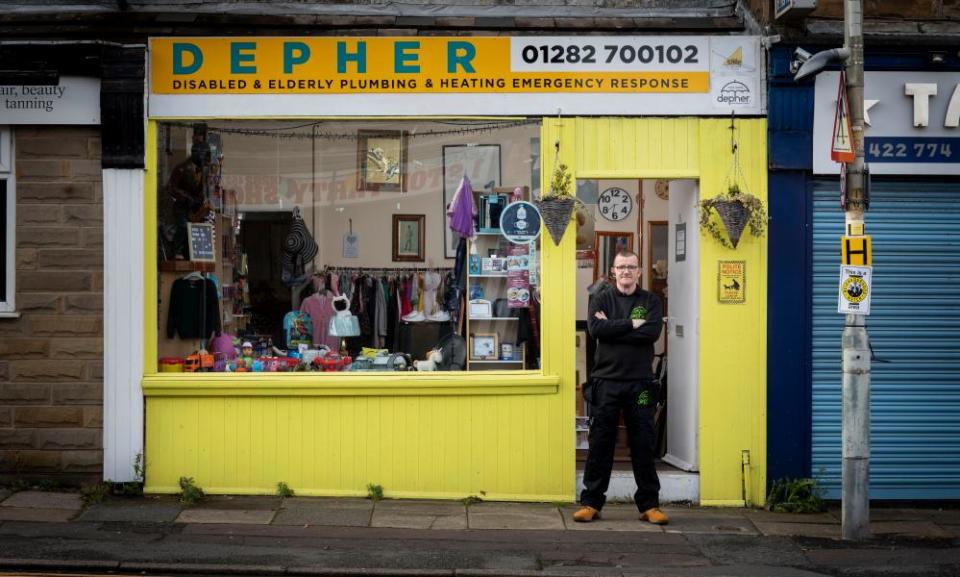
(177, 266)
(494, 286)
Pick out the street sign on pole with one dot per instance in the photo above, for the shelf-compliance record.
(856, 251)
(841, 150)
(854, 298)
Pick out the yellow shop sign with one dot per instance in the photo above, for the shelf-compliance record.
(416, 65)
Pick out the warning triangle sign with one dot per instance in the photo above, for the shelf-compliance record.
(841, 149)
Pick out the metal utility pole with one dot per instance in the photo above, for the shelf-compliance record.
(856, 347)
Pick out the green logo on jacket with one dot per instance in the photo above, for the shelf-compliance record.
(638, 312)
(643, 399)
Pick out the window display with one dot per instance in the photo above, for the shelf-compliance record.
(343, 246)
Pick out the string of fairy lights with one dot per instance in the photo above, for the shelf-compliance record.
(316, 131)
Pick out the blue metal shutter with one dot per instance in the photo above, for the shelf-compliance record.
(914, 323)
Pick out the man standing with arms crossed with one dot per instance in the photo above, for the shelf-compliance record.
(626, 321)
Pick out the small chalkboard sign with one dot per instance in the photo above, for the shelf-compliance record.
(201, 242)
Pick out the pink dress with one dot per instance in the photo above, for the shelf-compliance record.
(320, 309)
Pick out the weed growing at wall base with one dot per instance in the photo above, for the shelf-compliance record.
(284, 490)
(796, 496)
(190, 493)
(374, 492)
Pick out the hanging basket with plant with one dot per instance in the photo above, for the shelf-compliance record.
(734, 211)
(556, 205)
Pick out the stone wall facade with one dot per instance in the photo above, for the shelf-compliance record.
(51, 358)
(945, 11)
(894, 9)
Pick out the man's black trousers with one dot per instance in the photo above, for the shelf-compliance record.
(608, 400)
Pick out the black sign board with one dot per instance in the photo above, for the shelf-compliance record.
(201, 242)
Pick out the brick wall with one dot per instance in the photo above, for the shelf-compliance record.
(894, 9)
(51, 358)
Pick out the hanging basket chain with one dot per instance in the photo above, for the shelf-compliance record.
(736, 209)
(557, 204)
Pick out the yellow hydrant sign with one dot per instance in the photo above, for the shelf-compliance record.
(855, 290)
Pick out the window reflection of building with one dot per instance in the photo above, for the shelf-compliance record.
(269, 169)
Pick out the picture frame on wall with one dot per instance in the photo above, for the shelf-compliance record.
(481, 164)
(409, 232)
(381, 160)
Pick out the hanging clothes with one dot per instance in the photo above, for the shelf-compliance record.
(462, 211)
(405, 306)
(380, 314)
(297, 328)
(431, 282)
(194, 308)
(393, 313)
(320, 309)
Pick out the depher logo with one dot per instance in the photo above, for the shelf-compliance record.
(734, 92)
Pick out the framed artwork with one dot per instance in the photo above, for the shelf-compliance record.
(484, 346)
(608, 244)
(381, 160)
(481, 164)
(480, 309)
(408, 237)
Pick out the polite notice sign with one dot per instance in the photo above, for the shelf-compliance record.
(732, 282)
(854, 290)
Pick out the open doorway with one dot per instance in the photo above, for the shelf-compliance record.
(262, 234)
(656, 219)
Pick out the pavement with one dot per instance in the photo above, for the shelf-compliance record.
(45, 532)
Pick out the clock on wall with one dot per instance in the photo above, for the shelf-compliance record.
(615, 204)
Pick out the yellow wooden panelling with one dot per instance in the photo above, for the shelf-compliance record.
(442, 447)
(500, 436)
(150, 251)
(733, 338)
(349, 384)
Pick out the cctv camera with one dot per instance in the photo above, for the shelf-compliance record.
(799, 57)
(813, 65)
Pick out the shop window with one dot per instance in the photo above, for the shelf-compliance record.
(327, 246)
(8, 199)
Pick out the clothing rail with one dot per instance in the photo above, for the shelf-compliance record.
(385, 270)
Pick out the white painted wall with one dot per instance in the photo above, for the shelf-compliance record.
(123, 302)
(683, 351)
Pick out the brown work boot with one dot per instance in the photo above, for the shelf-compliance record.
(586, 514)
(655, 516)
